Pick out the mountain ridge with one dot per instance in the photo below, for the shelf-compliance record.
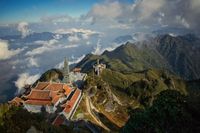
(162, 52)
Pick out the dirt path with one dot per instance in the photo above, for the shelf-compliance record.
(88, 105)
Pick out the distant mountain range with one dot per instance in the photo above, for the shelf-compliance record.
(178, 54)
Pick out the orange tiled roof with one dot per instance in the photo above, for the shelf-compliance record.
(39, 95)
(58, 120)
(16, 101)
(55, 87)
(56, 98)
(51, 94)
(41, 85)
(67, 89)
(72, 101)
(38, 102)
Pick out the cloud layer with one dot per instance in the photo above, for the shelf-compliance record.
(5, 52)
(24, 79)
(148, 14)
(23, 28)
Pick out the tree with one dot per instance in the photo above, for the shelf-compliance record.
(168, 113)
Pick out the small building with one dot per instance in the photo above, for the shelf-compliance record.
(98, 67)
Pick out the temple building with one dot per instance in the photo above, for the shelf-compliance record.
(98, 67)
(47, 95)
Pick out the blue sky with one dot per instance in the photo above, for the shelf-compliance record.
(12, 11)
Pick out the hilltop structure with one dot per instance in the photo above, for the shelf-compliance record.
(98, 67)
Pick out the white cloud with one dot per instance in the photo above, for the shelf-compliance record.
(108, 10)
(73, 38)
(56, 18)
(182, 21)
(24, 79)
(73, 61)
(76, 34)
(97, 49)
(145, 15)
(77, 30)
(23, 28)
(77, 60)
(5, 52)
(119, 26)
(46, 46)
(146, 8)
(32, 62)
(70, 46)
(49, 43)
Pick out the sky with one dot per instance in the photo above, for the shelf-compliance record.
(12, 11)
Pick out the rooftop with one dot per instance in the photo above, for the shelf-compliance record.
(41, 85)
(16, 101)
(39, 95)
(54, 87)
(71, 102)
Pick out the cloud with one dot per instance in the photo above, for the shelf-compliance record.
(73, 38)
(98, 50)
(24, 79)
(46, 46)
(108, 9)
(32, 62)
(86, 32)
(73, 61)
(77, 34)
(23, 28)
(77, 60)
(5, 52)
(146, 15)
(56, 18)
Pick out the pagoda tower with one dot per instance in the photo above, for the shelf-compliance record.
(66, 78)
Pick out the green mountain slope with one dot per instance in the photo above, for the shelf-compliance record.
(182, 53)
(176, 54)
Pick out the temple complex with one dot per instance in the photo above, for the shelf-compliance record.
(60, 97)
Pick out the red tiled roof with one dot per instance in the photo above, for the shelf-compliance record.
(41, 85)
(38, 102)
(39, 95)
(54, 87)
(72, 101)
(58, 120)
